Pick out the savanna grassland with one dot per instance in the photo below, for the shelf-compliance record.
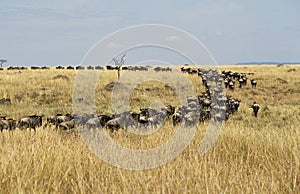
(251, 155)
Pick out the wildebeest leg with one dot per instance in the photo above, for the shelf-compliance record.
(33, 127)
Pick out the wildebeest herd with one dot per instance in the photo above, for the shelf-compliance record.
(210, 104)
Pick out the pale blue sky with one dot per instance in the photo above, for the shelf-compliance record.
(61, 32)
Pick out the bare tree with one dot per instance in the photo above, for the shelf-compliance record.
(119, 64)
(2, 61)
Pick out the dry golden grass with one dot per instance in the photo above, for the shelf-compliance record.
(251, 155)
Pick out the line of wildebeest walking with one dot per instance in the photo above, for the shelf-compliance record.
(211, 104)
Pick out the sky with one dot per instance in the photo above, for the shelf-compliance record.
(63, 32)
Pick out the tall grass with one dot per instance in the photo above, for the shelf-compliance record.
(251, 155)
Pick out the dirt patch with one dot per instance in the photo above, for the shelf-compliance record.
(64, 77)
(254, 93)
(111, 86)
(291, 70)
(5, 101)
(281, 81)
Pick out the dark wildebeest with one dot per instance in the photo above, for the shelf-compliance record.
(253, 83)
(30, 122)
(59, 67)
(79, 68)
(255, 108)
(99, 67)
(35, 67)
(90, 68)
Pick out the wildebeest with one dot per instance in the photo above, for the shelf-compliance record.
(35, 67)
(109, 67)
(255, 108)
(16, 68)
(67, 125)
(166, 69)
(51, 120)
(152, 117)
(115, 124)
(253, 83)
(241, 82)
(191, 118)
(90, 67)
(176, 118)
(231, 85)
(8, 124)
(104, 119)
(59, 67)
(83, 118)
(79, 67)
(63, 118)
(93, 123)
(99, 67)
(123, 120)
(30, 122)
